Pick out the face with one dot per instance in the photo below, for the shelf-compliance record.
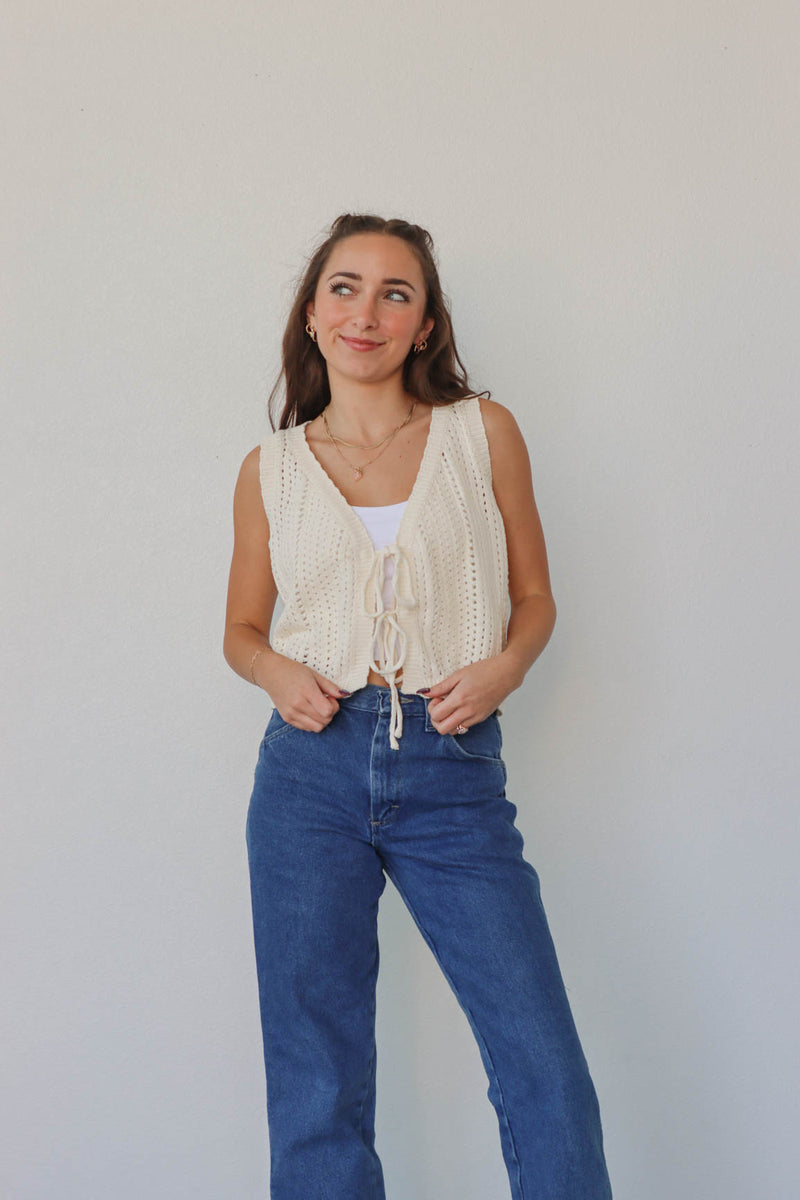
(369, 307)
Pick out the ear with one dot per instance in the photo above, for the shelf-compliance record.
(309, 309)
(426, 327)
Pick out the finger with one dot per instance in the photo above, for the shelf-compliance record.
(457, 714)
(450, 725)
(325, 708)
(448, 715)
(325, 701)
(446, 703)
(329, 687)
(440, 689)
(313, 713)
(311, 721)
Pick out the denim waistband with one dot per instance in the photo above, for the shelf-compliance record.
(374, 698)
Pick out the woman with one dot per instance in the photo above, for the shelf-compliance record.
(393, 513)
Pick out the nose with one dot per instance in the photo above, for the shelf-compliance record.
(366, 313)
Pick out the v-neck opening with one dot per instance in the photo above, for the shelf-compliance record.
(315, 470)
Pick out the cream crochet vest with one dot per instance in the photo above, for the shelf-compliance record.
(451, 601)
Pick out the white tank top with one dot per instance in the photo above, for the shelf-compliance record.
(382, 522)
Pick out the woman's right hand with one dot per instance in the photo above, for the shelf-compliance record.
(302, 696)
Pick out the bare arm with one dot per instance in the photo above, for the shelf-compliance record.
(533, 609)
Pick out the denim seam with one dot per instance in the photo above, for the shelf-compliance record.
(464, 755)
(373, 827)
(479, 1036)
(276, 733)
(370, 1082)
(451, 740)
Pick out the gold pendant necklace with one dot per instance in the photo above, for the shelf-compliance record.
(358, 472)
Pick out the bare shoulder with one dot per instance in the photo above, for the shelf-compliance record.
(507, 447)
(251, 461)
(512, 484)
(248, 504)
(502, 431)
(495, 415)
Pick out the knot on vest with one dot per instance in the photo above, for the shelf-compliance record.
(388, 635)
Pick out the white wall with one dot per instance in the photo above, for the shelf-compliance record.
(613, 192)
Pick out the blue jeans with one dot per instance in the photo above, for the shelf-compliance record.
(333, 813)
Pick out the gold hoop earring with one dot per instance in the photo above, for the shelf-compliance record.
(420, 346)
(311, 331)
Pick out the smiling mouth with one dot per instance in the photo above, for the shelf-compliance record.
(360, 343)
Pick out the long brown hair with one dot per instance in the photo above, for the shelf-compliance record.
(436, 376)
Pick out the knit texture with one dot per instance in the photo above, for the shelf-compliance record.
(450, 605)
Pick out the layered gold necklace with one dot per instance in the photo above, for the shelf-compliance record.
(359, 471)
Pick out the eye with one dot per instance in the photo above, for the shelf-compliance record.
(396, 292)
(340, 289)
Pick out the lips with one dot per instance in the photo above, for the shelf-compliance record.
(362, 344)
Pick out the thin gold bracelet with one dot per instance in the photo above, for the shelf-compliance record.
(260, 650)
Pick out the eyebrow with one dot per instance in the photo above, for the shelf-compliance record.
(352, 275)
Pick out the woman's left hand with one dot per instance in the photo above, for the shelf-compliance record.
(472, 693)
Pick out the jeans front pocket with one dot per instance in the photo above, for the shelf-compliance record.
(276, 728)
(482, 742)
